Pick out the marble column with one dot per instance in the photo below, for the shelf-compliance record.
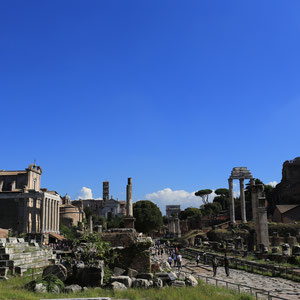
(243, 203)
(47, 215)
(52, 215)
(129, 198)
(34, 225)
(231, 200)
(57, 224)
(43, 214)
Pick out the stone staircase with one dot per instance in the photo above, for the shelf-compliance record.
(16, 256)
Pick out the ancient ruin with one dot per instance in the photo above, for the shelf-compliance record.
(259, 213)
(129, 220)
(240, 173)
(25, 207)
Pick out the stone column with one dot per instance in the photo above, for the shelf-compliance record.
(25, 215)
(57, 217)
(254, 204)
(231, 200)
(129, 207)
(52, 214)
(261, 224)
(47, 214)
(243, 203)
(34, 225)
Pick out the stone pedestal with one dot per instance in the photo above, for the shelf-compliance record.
(129, 222)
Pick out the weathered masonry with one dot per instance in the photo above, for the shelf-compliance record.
(25, 207)
(240, 173)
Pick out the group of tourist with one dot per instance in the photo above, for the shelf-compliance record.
(175, 257)
(215, 264)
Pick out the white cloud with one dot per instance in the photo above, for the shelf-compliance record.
(85, 193)
(272, 183)
(180, 197)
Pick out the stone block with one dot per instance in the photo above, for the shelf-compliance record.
(21, 240)
(73, 288)
(12, 240)
(141, 283)
(58, 270)
(126, 280)
(40, 288)
(180, 275)
(190, 280)
(118, 271)
(166, 266)
(178, 283)
(118, 286)
(131, 273)
(172, 275)
(88, 275)
(148, 276)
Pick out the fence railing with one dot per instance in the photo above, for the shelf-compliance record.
(257, 293)
(246, 265)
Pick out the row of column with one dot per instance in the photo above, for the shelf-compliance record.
(50, 215)
(242, 198)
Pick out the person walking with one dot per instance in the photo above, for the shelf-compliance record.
(175, 260)
(179, 261)
(215, 265)
(226, 265)
(197, 259)
(170, 260)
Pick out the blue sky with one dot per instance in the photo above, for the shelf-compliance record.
(171, 93)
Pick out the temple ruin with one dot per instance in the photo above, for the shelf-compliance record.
(240, 173)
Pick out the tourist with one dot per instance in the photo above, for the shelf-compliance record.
(226, 265)
(197, 259)
(215, 265)
(179, 261)
(170, 260)
(175, 259)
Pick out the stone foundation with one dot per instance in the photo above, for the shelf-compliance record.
(16, 256)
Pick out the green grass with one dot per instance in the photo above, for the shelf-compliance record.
(14, 289)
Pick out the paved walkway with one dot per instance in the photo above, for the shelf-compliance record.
(276, 286)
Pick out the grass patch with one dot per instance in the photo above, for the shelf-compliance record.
(14, 289)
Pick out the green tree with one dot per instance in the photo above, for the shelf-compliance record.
(148, 216)
(191, 213)
(222, 192)
(222, 197)
(204, 195)
(210, 209)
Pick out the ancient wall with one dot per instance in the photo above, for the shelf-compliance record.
(9, 217)
(288, 190)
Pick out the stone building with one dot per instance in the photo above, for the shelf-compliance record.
(25, 207)
(70, 215)
(106, 207)
(289, 213)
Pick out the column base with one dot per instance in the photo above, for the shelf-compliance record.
(129, 222)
